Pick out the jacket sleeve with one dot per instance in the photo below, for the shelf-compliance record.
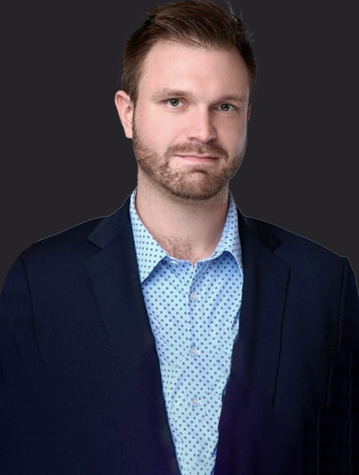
(18, 347)
(15, 300)
(22, 380)
(335, 438)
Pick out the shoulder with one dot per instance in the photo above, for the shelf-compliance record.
(72, 241)
(276, 237)
(70, 245)
(317, 276)
(64, 254)
(80, 241)
(308, 258)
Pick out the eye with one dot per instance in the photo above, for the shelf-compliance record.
(227, 107)
(174, 102)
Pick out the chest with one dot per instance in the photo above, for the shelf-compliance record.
(194, 310)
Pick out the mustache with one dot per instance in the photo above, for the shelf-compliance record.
(200, 149)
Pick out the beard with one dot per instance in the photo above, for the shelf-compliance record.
(197, 183)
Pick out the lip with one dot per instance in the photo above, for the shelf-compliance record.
(198, 158)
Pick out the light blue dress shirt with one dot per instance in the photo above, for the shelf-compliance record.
(194, 316)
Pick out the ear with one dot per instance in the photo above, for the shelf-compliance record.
(125, 110)
(249, 112)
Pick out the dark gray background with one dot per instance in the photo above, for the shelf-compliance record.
(64, 157)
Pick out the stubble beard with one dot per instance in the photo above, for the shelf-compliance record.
(194, 184)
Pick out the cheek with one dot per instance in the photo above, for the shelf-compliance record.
(151, 124)
(153, 135)
(236, 138)
(164, 133)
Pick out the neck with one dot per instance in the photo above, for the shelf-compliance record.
(186, 229)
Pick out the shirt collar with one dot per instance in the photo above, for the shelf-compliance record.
(149, 252)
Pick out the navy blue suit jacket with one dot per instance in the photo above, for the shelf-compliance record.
(80, 383)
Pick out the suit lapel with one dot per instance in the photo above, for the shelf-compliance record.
(114, 275)
(113, 272)
(256, 351)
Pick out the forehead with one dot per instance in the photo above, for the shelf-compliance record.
(171, 64)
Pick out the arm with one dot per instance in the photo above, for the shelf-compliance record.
(333, 444)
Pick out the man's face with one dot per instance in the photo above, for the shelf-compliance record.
(189, 126)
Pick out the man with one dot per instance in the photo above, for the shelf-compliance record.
(178, 336)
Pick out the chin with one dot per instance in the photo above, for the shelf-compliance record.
(195, 192)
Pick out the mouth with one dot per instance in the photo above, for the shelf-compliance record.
(198, 158)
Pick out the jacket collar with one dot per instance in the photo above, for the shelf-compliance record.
(111, 225)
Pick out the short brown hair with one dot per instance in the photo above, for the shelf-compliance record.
(193, 22)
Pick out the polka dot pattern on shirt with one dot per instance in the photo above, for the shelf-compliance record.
(194, 316)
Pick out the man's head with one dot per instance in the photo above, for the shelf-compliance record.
(186, 98)
(191, 22)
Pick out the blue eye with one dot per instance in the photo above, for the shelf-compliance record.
(174, 102)
(227, 107)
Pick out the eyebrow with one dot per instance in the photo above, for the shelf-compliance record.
(166, 92)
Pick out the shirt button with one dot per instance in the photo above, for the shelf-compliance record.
(193, 296)
(174, 263)
(196, 401)
(193, 351)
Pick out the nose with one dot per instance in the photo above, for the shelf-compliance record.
(201, 126)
